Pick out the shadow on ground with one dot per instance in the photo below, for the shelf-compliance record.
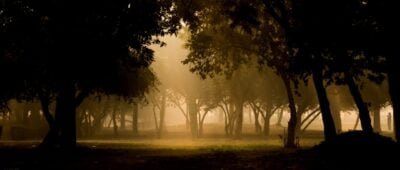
(352, 150)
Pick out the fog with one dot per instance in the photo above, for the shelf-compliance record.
(199, 84)
(165, 109)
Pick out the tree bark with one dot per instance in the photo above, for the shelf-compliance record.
(329, 125)
(239, 118)
(362, 108)
(291, 136)
(266, 128)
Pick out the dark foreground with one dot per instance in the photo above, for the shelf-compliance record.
(350, 151)
(102, 158)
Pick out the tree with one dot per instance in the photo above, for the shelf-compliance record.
(62, 56)
(276, 32)
(266, 96)
(377, 97)
(341, 100)
(217, 47)
(307, 101)
(331, 38)
(383, 52)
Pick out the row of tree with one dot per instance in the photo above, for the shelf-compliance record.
(63, 51)
(328, 42)
(25, 120)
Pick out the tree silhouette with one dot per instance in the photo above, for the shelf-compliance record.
(377, 97)
(384, 53)
(66, 50)
(278, 31)
(221, 47)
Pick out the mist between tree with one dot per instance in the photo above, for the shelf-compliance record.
(249, 103)
(168, 69)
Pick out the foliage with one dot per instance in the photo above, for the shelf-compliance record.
(97, 47)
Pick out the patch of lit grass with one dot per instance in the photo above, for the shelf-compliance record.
(197, 144)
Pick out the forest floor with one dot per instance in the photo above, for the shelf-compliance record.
(121, 155)
(174, 152)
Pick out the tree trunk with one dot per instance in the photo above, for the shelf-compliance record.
(256, 114)
(266, 128)
(66, 115)
(377, 119)
(45, 102)
(394, 95)
(312, 120)
(201, 122)
(155, 118)
(257, 125)
(226, 124)
(89, 124)
(290, 142)
(122, 120)
(232, 118)
(337, 119)
(357, 121)
(389, 121)
(200, 128)
(309, 116)
(329, 126)
(161, 127)
(250, 116)
(52, 137)
(279, 121)
(114, 122)
(362, 107)
(193, 117)
(239, 119)
(135, 114)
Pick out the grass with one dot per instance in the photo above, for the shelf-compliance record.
(176, 150)
(144, 153)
